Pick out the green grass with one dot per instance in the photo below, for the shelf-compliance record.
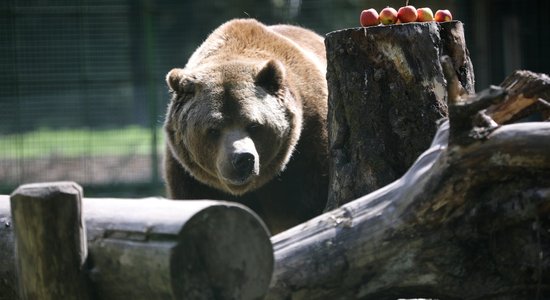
(131, 140)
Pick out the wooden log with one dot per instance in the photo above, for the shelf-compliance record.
(386, 92)
(177, 249)
(462, 223)
(50, 241)
(163, 249)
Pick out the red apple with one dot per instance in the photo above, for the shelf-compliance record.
(388, 16)
(407, 14)
(369, 17)
(443, 15)
(425, 14)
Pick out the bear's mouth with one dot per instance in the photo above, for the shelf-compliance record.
(238, 186)
(239, 181)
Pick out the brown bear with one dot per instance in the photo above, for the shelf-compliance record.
(247, 122)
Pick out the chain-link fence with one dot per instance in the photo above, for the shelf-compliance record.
(82, 92)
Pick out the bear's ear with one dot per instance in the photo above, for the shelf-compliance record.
(178, 82)
(271, 76)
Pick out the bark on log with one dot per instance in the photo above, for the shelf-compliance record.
(386, 92)
(50, 241)
(163, 249)
(469, 220)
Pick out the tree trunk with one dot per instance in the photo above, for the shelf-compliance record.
(164, 249)
(469, 220)
(386, 92)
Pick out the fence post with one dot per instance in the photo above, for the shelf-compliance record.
(149, 46)
(50, 241)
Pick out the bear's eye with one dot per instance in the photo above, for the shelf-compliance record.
(253, 128)
(188, 89)
(213, 133)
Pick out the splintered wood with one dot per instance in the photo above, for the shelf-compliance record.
(528, 96)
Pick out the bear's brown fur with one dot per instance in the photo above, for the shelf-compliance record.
(247, 122)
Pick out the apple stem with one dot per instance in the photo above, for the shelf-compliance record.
(407, 3)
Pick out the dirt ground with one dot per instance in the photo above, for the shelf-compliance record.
(104, 170)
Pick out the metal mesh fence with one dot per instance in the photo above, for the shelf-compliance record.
(73, 103)
(82, 92)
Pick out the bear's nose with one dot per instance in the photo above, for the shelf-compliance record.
(243, 163)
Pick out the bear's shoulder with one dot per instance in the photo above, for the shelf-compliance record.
(304, 38)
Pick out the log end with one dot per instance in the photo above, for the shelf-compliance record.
(223, 252)
(47, 190)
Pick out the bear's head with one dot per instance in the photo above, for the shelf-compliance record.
(233, 126)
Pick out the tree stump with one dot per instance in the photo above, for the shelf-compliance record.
(386, 92)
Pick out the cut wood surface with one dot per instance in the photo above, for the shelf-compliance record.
(386, 92)
(529, 93)
(522, 97)
(164, 249)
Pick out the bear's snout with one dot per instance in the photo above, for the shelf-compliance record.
(240, 169)
(243, 164)
(239, 161)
